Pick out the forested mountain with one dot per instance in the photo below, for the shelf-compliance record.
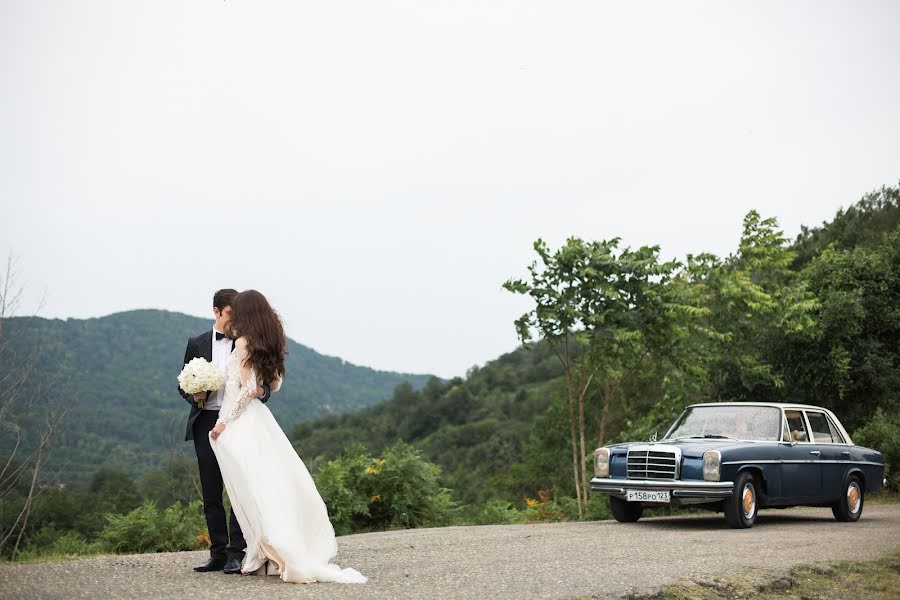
(816, 320)
(863, 224)
(116, 376)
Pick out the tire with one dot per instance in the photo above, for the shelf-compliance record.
(741, 509)
(849, 508)
(625, 512)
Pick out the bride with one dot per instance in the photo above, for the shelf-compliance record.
(276, 502)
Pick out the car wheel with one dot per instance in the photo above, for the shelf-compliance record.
(741, 508)
(625, 512)
(849, 507)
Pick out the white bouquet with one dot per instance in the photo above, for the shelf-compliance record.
(200, 375)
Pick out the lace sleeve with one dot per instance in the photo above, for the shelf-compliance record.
(248, 392)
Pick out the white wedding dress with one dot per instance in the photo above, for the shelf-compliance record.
(281, 513)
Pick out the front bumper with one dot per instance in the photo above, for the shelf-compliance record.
(679, 489)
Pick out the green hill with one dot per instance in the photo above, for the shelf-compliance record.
(116, 375)
(502, 432)
(499, 433)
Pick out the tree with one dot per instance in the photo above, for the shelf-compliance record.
(21, 398)
(602, 311)
(850, 361)
(755, 303)
(861, 225)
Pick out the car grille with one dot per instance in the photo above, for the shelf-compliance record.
(652, 464)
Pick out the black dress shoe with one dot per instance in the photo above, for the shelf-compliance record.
(232, 566)
(210, 565)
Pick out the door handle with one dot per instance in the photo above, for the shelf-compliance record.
(846, 453)
(815, 452)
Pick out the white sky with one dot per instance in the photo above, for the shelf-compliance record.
(378, 169)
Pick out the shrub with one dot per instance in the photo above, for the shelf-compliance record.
(882, 433)
(50, 542)
(150, 529)
(543, 509)
(398, 490)
(72, 542)
(498, 512)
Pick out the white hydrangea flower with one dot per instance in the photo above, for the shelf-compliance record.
(200, 375)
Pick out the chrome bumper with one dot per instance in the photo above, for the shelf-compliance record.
(679, 489)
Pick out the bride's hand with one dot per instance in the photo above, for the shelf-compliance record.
(217, 430)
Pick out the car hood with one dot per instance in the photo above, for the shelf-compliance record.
(689, 448)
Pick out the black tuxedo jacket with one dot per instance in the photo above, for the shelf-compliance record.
(201, 346)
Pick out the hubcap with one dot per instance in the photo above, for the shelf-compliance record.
(853, 497)
(749, 501)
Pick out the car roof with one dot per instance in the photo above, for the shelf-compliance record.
(773, 404)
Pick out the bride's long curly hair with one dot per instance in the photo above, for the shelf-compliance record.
(254, 318)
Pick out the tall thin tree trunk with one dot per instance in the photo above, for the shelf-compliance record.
(584, 484)
(607, 397)
(574, 444)
(583, 388)
(28, 502)
(570, 392)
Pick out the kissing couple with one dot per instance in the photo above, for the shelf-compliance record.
(279, 522)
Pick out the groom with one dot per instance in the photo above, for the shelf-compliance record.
(216, 348)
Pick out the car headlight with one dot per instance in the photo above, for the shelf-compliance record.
(601, 462)
(712, 465)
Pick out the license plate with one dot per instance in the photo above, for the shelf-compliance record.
(646, 496)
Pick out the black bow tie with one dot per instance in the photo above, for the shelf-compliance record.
(219, 336)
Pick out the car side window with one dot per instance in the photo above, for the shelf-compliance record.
(797, 425)
(835, 433)
(820, 427)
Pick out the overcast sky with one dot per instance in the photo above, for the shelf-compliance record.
(378, 169)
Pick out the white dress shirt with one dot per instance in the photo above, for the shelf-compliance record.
(221, 352)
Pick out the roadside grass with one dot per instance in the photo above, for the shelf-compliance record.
(883, 497)
(27, 558)
(869, 580)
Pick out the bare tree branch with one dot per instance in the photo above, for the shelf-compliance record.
(23, 397)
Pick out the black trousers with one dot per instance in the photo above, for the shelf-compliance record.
(212, 485)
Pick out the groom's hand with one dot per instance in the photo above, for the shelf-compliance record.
(200, 396)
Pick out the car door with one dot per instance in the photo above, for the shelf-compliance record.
(834, 454)
(801, 475)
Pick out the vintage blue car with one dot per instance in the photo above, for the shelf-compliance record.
(738, 457)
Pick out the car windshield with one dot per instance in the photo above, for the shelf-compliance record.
(729, 422)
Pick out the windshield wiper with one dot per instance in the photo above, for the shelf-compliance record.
(708, 436)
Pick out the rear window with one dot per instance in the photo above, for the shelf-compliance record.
(824, 429)
(820, 428)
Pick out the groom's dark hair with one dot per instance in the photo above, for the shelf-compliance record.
(224, 298)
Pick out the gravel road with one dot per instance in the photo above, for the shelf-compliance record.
(565, 560)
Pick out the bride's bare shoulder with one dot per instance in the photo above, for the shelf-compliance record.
(241, 343)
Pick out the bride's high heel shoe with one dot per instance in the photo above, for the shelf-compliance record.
(260, 571)
(272, 568)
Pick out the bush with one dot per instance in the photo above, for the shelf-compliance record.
(49, 542)
(543, 509)
(72, 542)
(598, 508)
(882, 433)
(150, 529)
(400, 489)
(498, 512)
